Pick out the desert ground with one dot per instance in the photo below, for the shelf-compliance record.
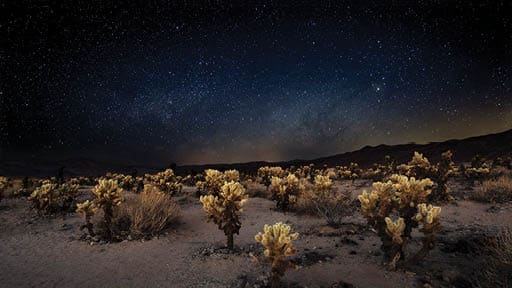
(39, 251)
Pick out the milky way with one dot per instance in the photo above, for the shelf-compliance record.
(160, 83)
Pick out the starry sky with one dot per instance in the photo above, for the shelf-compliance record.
(216, 82)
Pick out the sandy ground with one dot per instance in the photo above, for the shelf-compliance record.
(42, 252)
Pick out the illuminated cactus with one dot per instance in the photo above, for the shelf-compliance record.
(266, 173)
(224, 209)
(406, 198)
(231, 175)
(108, 195)
(351, 172)
(212, 184)
(278, 244)
(166, 181)
(285, 190)
(87, 209)
(44, 197)
(51, 198)
(479, 169)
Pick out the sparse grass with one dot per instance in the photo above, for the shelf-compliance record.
(149, 213)
(495, 191)
(497, 271)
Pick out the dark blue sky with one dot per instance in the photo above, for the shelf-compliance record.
(160, 83)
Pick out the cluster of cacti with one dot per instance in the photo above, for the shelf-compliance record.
(127, 182)
(214, 180)
(350, 172)
(405, 199)
(479, 169)
(108, 195)
(266, 173)
(278, 243)
(285, 190)
(379, 172)
(420, 167)
(82, 181)
(51, 198)
(224, 209)
(166, 181)
(3, 186)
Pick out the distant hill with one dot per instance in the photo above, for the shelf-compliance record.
(489, 146)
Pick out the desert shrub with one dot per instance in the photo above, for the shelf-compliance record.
(266, 173)
(148, 213)
(224, 209)
(278, 244)
(328, 203)
(3, 186)
(406, 200)
(255, 190)
(108, 195)
(50, 198)
(166, 181)
(321, 199)
(285, 190)
(495, 190)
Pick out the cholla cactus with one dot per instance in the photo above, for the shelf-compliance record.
(285, 190)
(266, 173)
(231, 175)
(108, 195)
(214, 180)
(224, 209)
(351, 172)
(278, 244)
(420, 167)
(407, 199)
(479, 169)
(166, 181)
(50, 198)
(328, 203)
(440, 174)
(395, 230)
(127, 182)
(87, 209)
(3, 185)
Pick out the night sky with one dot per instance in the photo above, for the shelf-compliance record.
(216, 82)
